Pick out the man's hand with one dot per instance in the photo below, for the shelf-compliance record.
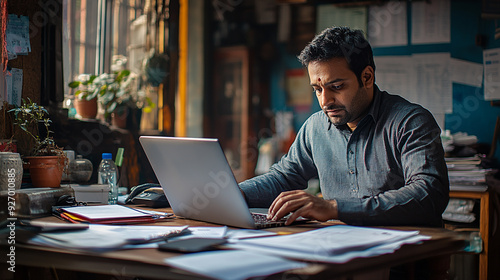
(302, 204)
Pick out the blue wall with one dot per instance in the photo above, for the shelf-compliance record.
(471, 113)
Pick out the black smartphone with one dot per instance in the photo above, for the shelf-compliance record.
(189, 245)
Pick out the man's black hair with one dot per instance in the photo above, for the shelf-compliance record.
(335, 42)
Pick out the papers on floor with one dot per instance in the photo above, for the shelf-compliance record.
(232, 264)
(102, 237)
(338, 243)
(107, 214)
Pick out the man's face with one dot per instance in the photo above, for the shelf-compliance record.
(338, 91)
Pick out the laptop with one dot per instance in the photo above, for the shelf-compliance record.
(199, 183)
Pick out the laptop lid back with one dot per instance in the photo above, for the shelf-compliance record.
(197, 179)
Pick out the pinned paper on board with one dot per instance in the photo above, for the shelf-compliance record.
(17, 36)
(17, 87)
(12, 86)
(491, 62)
(298, 88)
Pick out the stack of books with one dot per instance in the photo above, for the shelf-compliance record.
(466, 174)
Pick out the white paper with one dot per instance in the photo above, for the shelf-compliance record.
(232, 264)
(17, 35)
(98, 212)
(339, 258)
(8, 86)
(433, 88)
(491, 62)
(440, 119)
(101, 237)
(388, 24)
(331, 240)
(393, 74)
(331, 15)
(421, 78)
(17, 87)
(466, 72)
(347, 242)
(430, 22)
(234, 235)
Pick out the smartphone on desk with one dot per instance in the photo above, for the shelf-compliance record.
(190, 245)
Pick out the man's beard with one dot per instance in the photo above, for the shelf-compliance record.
(337, 121)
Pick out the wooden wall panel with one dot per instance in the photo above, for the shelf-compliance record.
(38, 13)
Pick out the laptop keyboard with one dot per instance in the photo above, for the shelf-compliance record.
(261, 221)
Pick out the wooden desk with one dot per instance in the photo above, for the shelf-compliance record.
(148, 263)
(484, 225)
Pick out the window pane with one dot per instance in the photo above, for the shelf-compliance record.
(79, 37)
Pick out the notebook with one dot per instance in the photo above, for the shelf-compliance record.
(199, 183)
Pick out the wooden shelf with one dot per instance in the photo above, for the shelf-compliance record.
(484, 225)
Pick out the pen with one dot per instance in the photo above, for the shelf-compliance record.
(157, 237)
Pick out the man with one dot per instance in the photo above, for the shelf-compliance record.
(378, 157)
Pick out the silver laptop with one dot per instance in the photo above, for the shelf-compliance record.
(199, 183)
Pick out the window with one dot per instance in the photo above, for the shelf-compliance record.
(95, 32)
(101, 35)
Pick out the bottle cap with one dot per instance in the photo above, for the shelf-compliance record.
(106, 156)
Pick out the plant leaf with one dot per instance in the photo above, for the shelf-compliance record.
(74, 84)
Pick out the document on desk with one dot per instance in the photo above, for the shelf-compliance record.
(338, 243)
(105, 237)
(107, 214)
(233, 264)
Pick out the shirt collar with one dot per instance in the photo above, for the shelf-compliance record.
(374, 109)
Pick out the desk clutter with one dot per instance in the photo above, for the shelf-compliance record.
(251, 252)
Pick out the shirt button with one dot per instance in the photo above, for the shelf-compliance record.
(351, 171)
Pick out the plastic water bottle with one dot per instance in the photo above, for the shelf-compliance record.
(108, 174)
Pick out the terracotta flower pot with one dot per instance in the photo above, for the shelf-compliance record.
(87, 109)
(46, 171)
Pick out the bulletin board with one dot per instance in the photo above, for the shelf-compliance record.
(30, 63)
(431, 52)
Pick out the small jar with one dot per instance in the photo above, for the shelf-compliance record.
(80, 170)
(11, 171)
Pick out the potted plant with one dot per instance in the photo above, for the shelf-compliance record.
(120, 96)
(85, 101)
(46, 161)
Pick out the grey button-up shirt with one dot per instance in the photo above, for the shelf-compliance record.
(389, 171)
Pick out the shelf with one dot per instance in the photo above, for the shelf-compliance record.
(484, 225)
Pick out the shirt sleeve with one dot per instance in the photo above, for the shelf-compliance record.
(425, 193)
(292, 172)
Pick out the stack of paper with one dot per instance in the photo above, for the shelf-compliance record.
(465, 174)
(338, 243)
(107, 214)
(107, 237)
(460, 210)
